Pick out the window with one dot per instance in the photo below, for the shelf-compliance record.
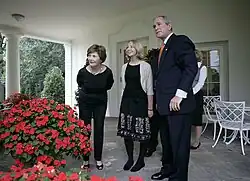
(211, 58)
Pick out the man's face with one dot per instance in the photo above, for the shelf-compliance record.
(162, 30)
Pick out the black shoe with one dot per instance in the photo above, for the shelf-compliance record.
(138, 166)
(85, 165)
(159, 176)
(150, 152)
(128, 165)
(99, 167)
(195, 147)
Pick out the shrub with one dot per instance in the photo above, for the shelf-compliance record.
(54, 85)
(39, 127)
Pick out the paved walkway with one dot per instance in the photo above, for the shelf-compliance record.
(223, 163)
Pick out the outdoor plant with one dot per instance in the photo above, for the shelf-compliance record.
(42, 172)
(16, 98)
(54, 85)
(39, 127)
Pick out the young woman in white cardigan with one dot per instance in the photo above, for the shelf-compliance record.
(136, 105)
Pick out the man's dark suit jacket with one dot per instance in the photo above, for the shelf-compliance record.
(176, 70)
(152, 59)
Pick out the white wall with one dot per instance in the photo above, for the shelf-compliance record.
(201, 20)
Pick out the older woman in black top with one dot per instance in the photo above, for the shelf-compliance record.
(94, 80)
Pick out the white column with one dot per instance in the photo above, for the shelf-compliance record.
(12, 64)
(68, 74)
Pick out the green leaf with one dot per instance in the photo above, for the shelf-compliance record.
(68, 173)
(37, 153)
(56, 150)
(46, 147)
(22, 179)
(7, 139)
(41, 152)
(35, 142)
(54, 125)
(39, 131)
(25, 156)
(12, 129)
(33, 137)
(28, 158)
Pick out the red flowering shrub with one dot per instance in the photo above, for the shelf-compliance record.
(37, 127)
(16, 98)
(42, 172)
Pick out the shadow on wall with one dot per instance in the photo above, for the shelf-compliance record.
(2, 89)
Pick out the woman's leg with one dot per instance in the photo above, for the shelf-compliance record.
(198, 130)
(99, 116)
(85, 114)
(198, 119)
(129, 144)
(140, 161)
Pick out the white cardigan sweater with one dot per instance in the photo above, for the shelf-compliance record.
(146, 77)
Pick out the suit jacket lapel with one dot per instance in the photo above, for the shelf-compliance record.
(165, 51)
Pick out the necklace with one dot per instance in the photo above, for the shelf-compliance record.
(96, 72)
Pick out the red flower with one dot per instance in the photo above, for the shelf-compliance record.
(63, 162)
(14, 137)
(5, 135)
(10, 145)
(29, 149)
(60, 124)
(62, 176)
(32, 177)
(57, 163)
(135, 178)
(74, 177)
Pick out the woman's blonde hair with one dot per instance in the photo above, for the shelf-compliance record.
(199, 55)
(139, 49)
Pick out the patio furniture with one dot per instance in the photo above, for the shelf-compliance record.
(5, 106)
(230, 116)
(209, 112)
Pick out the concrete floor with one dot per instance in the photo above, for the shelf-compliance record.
(223, 163)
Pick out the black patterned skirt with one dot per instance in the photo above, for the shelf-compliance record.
(133, 119)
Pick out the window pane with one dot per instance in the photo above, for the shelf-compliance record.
(213, 89)
(213, 74)
(205, 89)
(211, 58)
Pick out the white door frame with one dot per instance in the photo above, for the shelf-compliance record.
(222, 46)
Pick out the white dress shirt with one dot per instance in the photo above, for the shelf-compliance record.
(202, 78)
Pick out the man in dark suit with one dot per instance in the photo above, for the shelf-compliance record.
(174, 74)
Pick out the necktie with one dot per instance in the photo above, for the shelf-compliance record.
(160, 53)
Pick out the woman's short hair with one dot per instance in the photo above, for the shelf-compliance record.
(99, 49)
(139, 49)
(199, 55)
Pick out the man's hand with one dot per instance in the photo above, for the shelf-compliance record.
(174, 104)
(150, 113)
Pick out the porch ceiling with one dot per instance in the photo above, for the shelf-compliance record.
(65, 19)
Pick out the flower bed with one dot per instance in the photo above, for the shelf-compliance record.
(42, 172)
(38, 127)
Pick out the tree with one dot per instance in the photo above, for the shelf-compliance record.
(37, 58)
(54, 85)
